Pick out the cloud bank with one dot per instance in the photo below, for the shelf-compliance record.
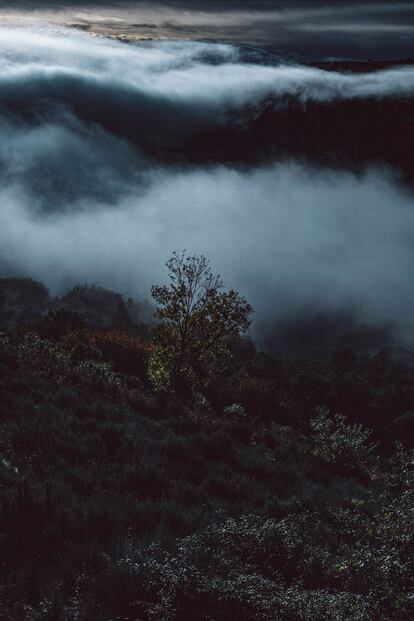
(114, 155)
(198, 102)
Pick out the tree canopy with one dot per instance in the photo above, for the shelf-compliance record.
(197, 318)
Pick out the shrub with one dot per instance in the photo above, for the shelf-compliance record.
(339, 443)
(127, 353)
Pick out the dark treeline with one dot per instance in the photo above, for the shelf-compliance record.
(337, 132)
(274, 489)
(22, 300)
(361, 66)
(333, 134)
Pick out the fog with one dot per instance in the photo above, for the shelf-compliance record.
(87, 194)
(51, 63)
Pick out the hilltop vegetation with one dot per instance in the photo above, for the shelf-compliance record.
(257, 489)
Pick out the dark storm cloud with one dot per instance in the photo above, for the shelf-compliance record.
(86, 194)
(356, 28)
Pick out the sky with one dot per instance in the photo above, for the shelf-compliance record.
(114, 155)
(357, 28)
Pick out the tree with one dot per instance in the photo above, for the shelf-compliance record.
(197, 318)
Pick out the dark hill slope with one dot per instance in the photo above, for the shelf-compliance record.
(116, 503)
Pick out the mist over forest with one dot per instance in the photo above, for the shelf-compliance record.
(113, 155)
(206, 310)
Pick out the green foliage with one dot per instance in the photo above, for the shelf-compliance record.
(338, 442)
(190, 345)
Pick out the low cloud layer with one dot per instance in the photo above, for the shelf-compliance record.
(289, 239)
(90, 191)
(202, 102)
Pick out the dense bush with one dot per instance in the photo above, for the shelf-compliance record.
(342, 444)
(127, 353)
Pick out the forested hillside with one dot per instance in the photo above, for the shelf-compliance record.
(243, 487)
